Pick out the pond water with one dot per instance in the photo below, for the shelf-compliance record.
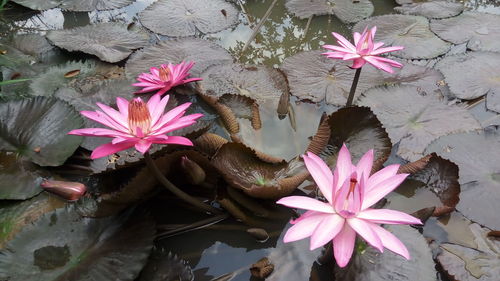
(225, 249)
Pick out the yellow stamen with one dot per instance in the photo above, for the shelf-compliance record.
(164, 73)
(138, 116)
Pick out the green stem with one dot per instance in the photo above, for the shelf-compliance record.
(353, 87)
(174, 189)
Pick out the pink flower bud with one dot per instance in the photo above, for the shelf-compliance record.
(68, 190)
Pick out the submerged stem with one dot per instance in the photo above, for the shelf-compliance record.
(174, 189)
(353, 87)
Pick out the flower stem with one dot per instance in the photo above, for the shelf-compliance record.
(353, 87)
(174, 189)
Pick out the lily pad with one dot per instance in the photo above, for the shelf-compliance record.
(412, 32)
(16, 215)
(242, 169)
(111, 42)
(479, 173)
(74, 5)
(188, 17)
(38, 4)
(481, 263)
(165, 266)
(415, 120)
(19, 179)
(89, 75)
(472, 75)
(432, 9)
(375, 266)
(481, 31)
(63, 246)
(34, 45)
(37, 129)
(347, 11)
(204, 53)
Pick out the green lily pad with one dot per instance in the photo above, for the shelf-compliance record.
(432, 9)
(14, 216)
(372, 265)
(189, 17)
(37, 129)
(38, 4)
(74, 5)
(347, 11)
(411, 32)
(479, 172)
(64, 246)
(415, 119)
(110, 42)
(204, 53)
(481, 31)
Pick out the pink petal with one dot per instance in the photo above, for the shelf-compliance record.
(143, 146)
(115, 115)
(350, 56)
(387, 216)
(391, 242)
(356, 36)
(358, 63)
(307, 203)
(378, 192)
(321, 174)
(343, 167)
(304, 228)
(163, 90)
(158, 108)
(98, 132)
(167, 117)
(109, 148)
(386, 50)
(381, 175)
(104, 119)
(326, 230)
(365, 164)
(337, 48)
(378, 64)
(122, 105)
(343, 42)
(173, 140)
(343, 245)
(363, 228)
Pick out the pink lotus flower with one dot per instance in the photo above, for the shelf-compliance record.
(363, 51)
(165, 78)
(137, 124)
(68, 190)
(350, 191)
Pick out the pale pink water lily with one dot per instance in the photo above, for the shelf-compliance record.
(363, 51)
(137, 124)
(164, 78)
(349, 192)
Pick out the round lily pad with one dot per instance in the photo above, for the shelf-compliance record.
(165, 266)
(480, 263)
(37, 129)
(110, 42)
(34, 45)
(432, 9)
(64, 246)
(74, 5)
(204, 53)
(477, 159)
(481, 31)
(38, 4)
(472, 75)
(189, 17)
(414, 118)
(372, 265)
(347, 11)
(411, 32)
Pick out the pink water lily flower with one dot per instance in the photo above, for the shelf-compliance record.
(349, 191)
(165, 77)
(137, 124)
(363, 51)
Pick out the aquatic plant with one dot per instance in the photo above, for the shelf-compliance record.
(349, 191)
(165, 77)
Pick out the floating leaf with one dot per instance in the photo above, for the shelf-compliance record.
(165, 266)
(242, 169)
(188, 17)
(111, 42)
(34, 45)
(481, 31)
(38, 4)
(346, 10)
(432, 10)
(412, 32)
(39, 124)
(479, 173)
(204, 53)
(14, 216)
(372, 265)
(74, 5)
(473, 75)
(466, 264)
(415, 120)
(63, 246)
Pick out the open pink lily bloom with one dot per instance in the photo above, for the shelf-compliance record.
(350, 191)
(164, 78)
(137, 124)
(363, 51)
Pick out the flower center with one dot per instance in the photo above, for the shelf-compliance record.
(139, 119)
(164, 73)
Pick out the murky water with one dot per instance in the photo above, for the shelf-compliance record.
(226, 247)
